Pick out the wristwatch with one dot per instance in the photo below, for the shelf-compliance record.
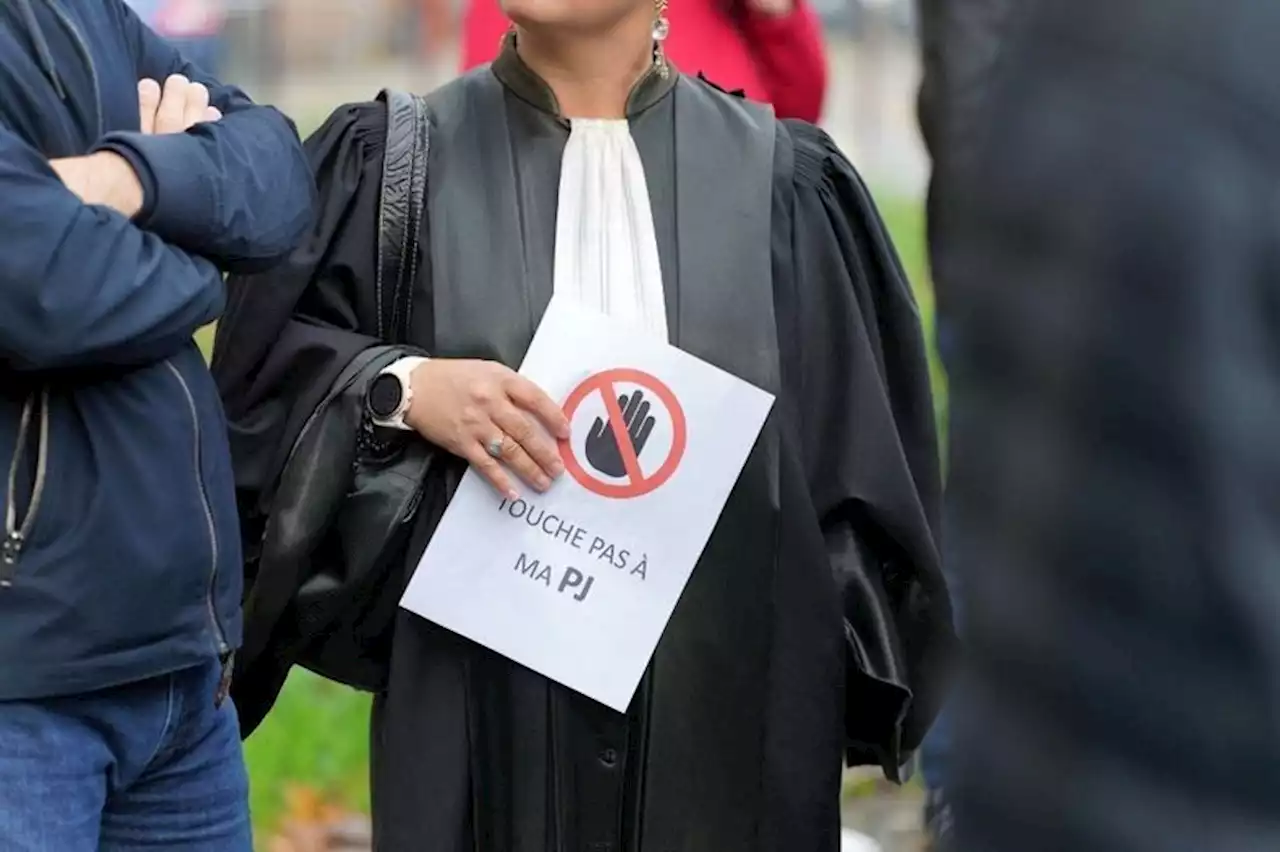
(391, 392)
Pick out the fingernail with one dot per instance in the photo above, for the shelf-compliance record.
(557, 468)
(513, 495)
(542, 483)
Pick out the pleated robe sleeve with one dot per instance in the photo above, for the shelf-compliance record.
(289, 332)
(856, 378)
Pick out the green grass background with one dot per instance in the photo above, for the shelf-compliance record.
(317, 735)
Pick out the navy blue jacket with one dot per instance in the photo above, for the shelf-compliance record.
(120, 555)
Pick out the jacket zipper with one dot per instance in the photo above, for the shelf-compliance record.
(220, 635)
(15, 534)
(85, 54)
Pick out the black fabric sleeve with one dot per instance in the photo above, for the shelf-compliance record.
(288, 333)
(865, 422)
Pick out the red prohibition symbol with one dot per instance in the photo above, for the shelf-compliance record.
(636, 484)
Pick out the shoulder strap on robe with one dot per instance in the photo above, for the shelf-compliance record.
(401, 210)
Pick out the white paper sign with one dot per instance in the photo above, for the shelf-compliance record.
(578, 583)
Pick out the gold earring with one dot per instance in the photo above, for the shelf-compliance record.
(661, 29)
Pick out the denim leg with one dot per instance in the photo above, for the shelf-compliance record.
(934, 753)
(937, 748)
(193, 794)
(53, 778)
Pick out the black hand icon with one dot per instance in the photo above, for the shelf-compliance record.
(603, 452)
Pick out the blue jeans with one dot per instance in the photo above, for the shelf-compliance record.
(152, 765)
(937, 748)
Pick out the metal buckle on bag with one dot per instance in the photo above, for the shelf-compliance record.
(228, 661)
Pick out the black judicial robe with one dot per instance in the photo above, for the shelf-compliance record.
(816, 624)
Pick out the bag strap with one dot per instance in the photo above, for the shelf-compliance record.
(401, 211)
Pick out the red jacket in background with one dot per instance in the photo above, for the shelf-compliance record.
(778, 60)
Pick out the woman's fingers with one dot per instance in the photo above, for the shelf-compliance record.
(488, 467)
(148, 103)
(532, 443)
(477, 403)
(522, 464)
(531, 398)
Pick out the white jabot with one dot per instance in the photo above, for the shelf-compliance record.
(606, 254)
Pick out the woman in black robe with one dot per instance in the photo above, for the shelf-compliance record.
(815, 625)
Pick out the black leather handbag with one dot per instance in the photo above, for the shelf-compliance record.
(333, 562)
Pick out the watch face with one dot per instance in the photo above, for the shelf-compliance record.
(384, 396)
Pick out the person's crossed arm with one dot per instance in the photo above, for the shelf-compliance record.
(79, 283)
(238, 190)
(108, 179)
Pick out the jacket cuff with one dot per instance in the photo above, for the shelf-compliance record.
(176, 198)
(141, 168)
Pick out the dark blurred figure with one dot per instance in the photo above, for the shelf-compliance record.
(960, 40)
(1104, 233)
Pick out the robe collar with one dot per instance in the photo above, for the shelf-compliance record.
(524, 83)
